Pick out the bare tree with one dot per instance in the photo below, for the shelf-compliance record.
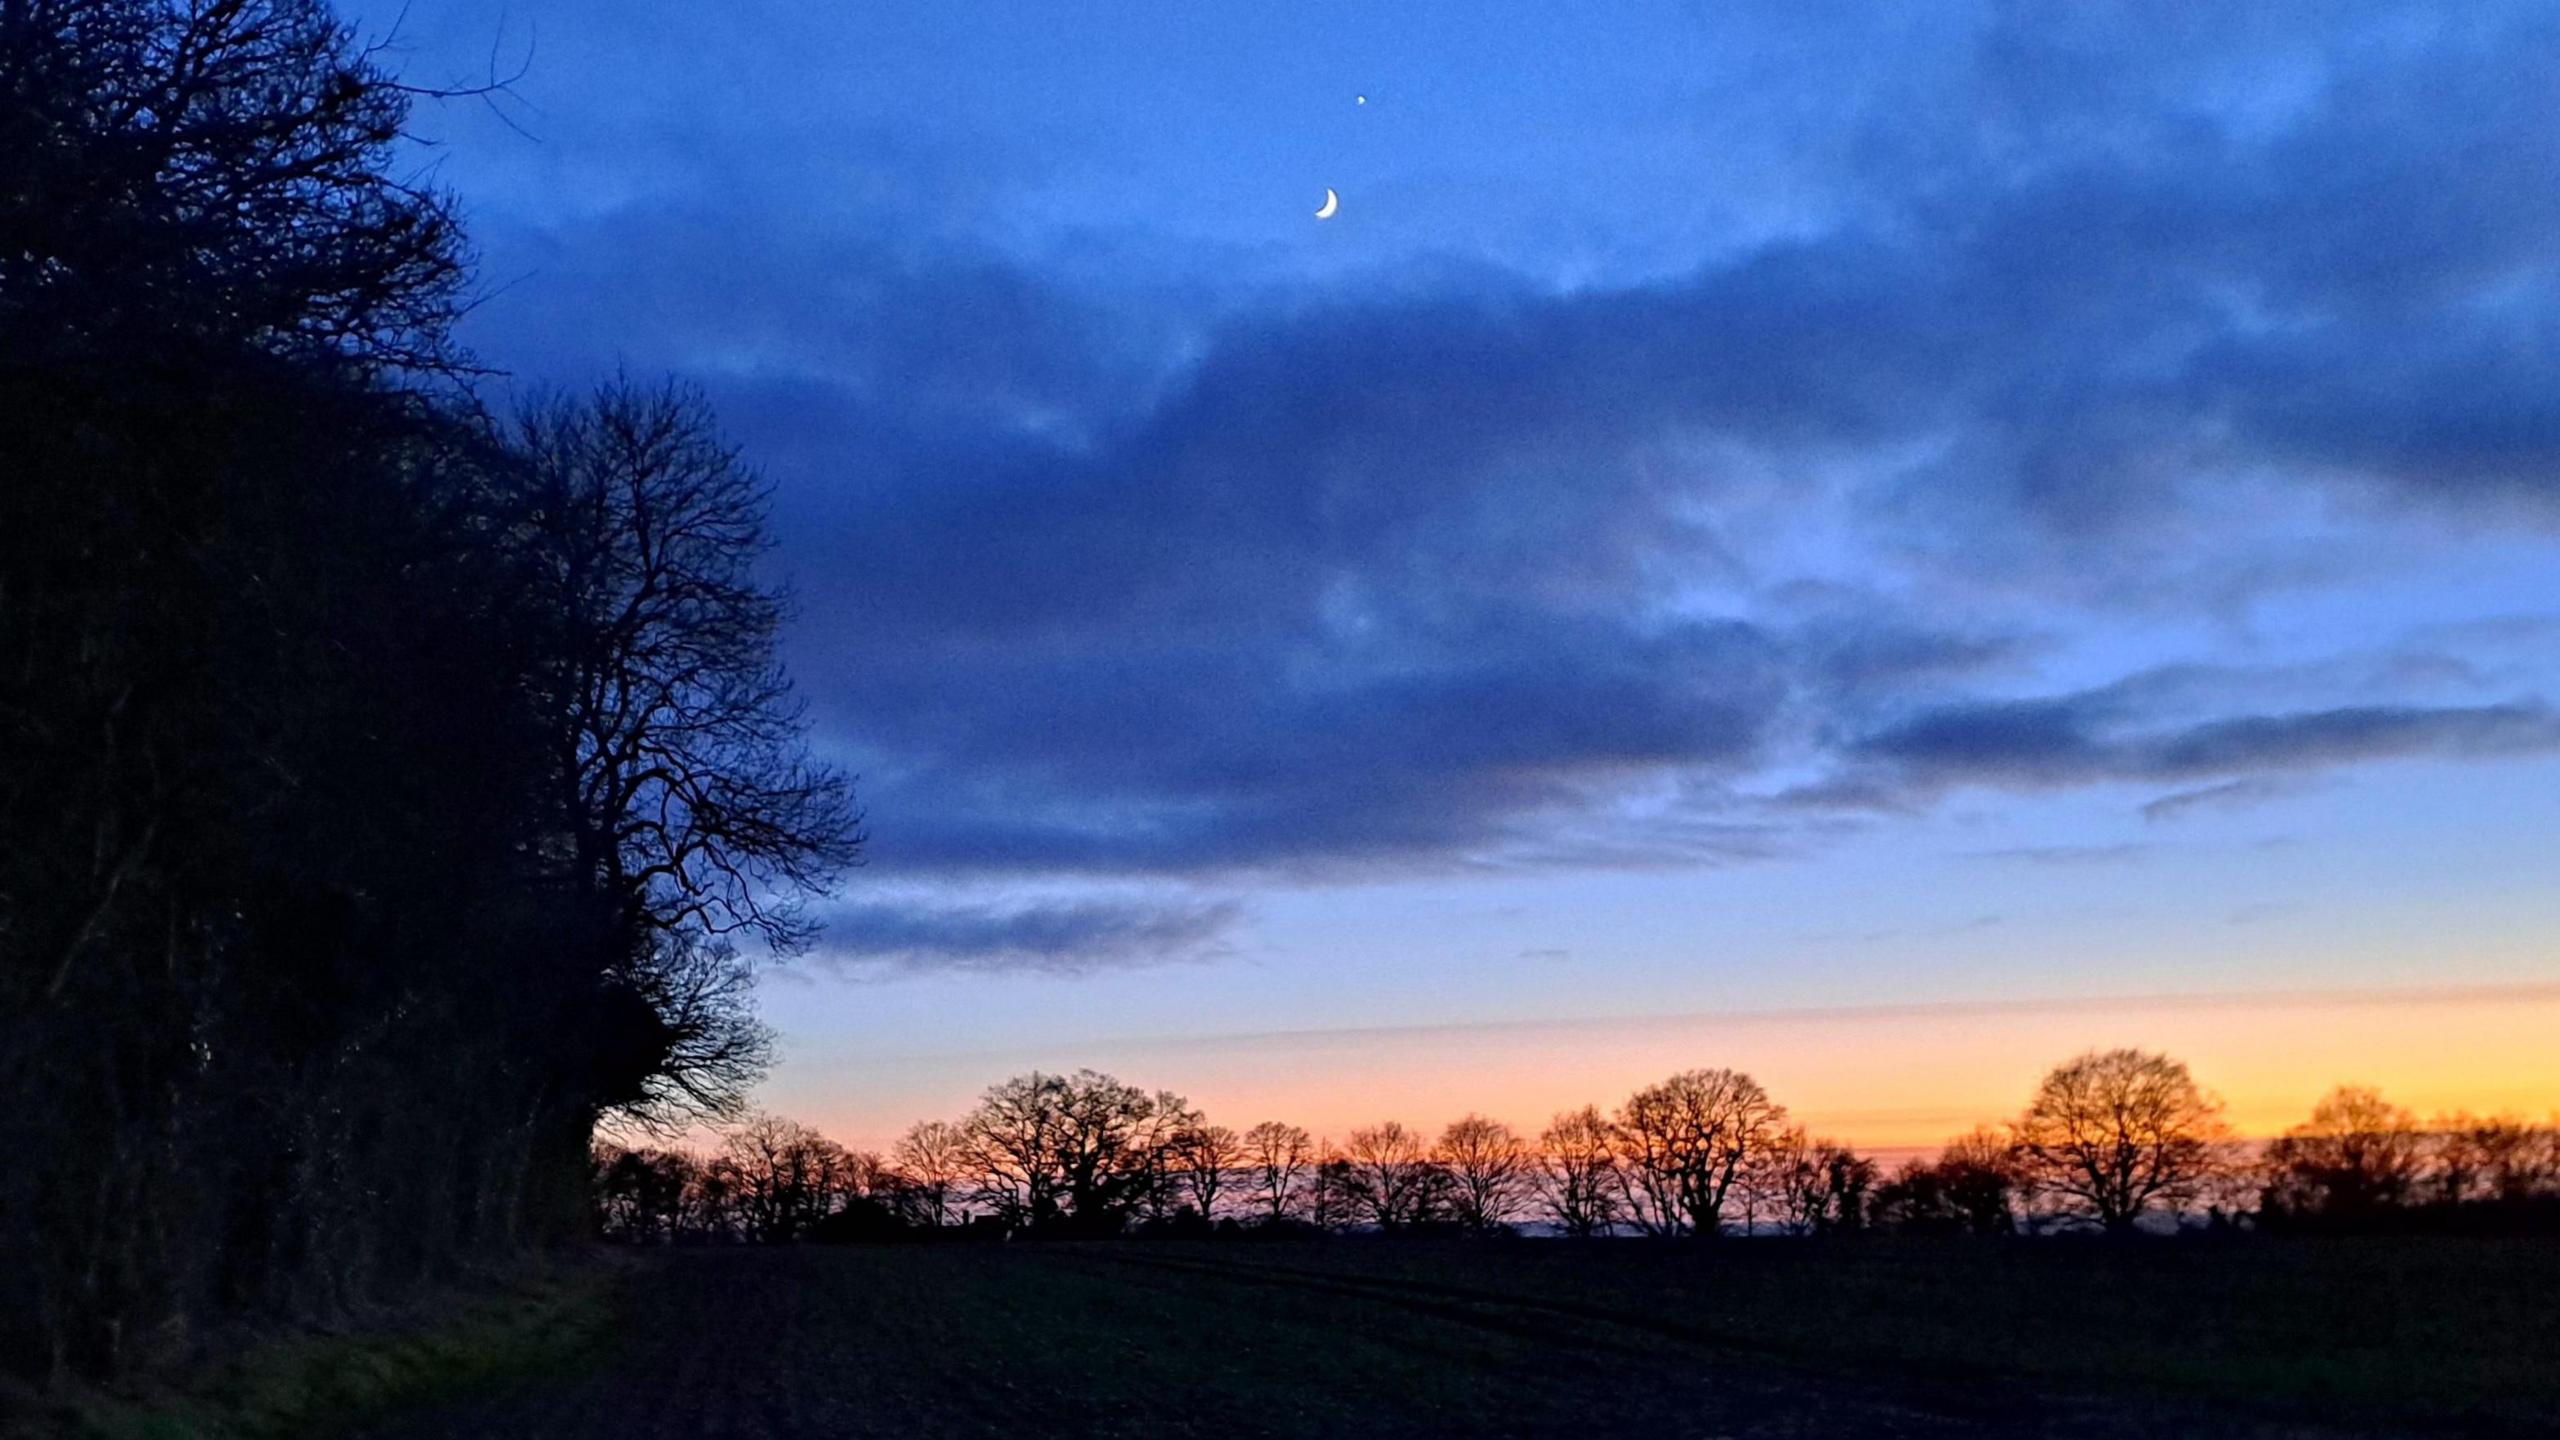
(1981, 1172)
(1972, 1187)
(1811, 1185)
(715, 1205)
(1013, 1139)
(1578, 1160)
(1851, 1178)
(641, 1196)
(690, 794)
(2502, 1159)
(1154, 1144)
(1648, 1171)
(1784, 1180)
(689, 809)
(2115, 1134)
(789, 1177)
(692, 1047)
(933, 1156)
(1082, 1151)
(1491, 1173)
(1334, 1190)
(2357, 1154)
(216, 171)
(1281, 1156)
(1391, 1179)
(1684, 1144)
(1206, 1157)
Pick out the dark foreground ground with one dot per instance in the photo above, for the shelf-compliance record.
(1355, 1338)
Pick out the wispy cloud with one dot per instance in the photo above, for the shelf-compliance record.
(2117, 854)
(2241, 794)
(2098, 736)
(2234, 1001)
(1058, 939)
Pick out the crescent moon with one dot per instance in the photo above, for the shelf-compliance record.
(1332, 202)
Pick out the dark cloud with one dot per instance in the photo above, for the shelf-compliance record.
(1312, 750)
(2088, 738)
(2336, 737)
(1105, 568)
(1064, 939)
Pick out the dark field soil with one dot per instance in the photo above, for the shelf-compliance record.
(1355, 1338)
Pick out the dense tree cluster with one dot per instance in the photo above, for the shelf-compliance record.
(383, 786)
(2361, 1161)
(1974, 1187)
(2111, 1140)
(772, 1180)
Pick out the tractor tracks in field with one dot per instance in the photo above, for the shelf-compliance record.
(1973, 1401)
(1522, 1316)
(1608, 1330)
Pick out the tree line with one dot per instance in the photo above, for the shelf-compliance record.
(391, 786)
(2111, 1140)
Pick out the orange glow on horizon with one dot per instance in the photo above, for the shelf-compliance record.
(1881, 1078)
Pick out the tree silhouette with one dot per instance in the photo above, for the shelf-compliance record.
(2115, 1134)
(1492, 1173)
(1336, 1197)
(1282, 1158)
(1809, 1185)
(694, 1045)
(1980, 1171)
(1578, 1161)
(1683, 1145)
(213, 175)
(1157, 1141)
(646, 1196)
(2501, 1160)
(691, 796)
(378, 784)
(2357, 1155)
(1080, 1152)
(933, 1159)
(1206, 1156)
(788, 1178)
(261, 750)
(1972, 1187)
(1388, 1177)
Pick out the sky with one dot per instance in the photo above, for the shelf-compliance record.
(1880, 545)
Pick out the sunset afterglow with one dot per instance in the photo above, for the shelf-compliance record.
(1890, 1078)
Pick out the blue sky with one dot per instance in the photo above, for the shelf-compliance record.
(1746, 507)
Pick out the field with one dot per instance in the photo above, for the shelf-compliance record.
(2265, 1338)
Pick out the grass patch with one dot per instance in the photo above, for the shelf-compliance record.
(320, 1383)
